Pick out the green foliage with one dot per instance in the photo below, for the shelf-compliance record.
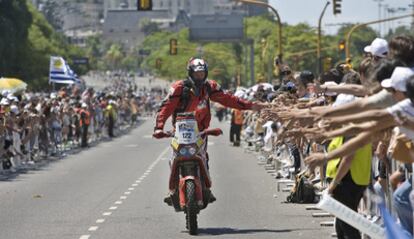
(29, 43)
(401, 30)
(15, 20)
(226, 59)
(221, 57)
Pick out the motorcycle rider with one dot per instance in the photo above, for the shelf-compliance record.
(194, 95)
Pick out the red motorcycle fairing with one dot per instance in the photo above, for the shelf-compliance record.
(199, 193)
(173, 182)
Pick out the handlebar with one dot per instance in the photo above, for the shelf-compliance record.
(206, 132)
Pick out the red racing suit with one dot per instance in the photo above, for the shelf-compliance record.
(198, 104)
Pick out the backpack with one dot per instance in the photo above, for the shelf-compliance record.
(303, 191)
(185, 95)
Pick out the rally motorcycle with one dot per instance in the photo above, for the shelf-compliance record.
(189, 179)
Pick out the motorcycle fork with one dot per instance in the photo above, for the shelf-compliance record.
(190, 172)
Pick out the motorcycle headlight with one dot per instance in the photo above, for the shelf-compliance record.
(183, 151)
(192, 150)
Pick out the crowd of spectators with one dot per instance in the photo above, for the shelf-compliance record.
(35, 126)
(351, 129)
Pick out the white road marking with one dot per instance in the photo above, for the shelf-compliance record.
(210, 143)
(131, 146)
(147, 136)
(149, 170)
(100, 220)
(92, 229)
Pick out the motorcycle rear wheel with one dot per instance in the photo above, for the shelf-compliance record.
(191, 207)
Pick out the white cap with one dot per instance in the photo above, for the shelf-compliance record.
(5, 93)
(14, 109)
(330, 83)
(11, 97)
(53, 95)
(398, 79)
(378, 47)
(84, 105)
(4, 101)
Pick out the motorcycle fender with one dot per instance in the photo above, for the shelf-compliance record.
(199, 192)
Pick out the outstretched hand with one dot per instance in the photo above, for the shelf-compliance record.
(314, 160)
(257, 106)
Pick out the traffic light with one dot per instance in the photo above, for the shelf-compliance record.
(144, 5)
(173, 46)
(158, 63)
(341, 45)
(336, 6)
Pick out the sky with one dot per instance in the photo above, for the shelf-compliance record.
(296, 11)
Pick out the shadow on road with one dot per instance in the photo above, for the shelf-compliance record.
(226, 230)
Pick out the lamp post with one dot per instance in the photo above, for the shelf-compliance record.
(319, 38)
(255, 2)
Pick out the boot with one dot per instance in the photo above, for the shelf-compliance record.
(168, 199)
(212, 198)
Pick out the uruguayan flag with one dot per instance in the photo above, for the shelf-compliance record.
(60, 72)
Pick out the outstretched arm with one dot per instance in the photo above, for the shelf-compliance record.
(218, 95)
(346, 149)
(372, 115)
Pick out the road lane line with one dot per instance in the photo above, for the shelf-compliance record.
(147, 172)
(92, 229)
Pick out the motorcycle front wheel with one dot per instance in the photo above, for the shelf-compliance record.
(191, 207)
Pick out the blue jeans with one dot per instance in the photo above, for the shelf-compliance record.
(403, 206)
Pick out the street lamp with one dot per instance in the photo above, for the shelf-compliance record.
(254, 2)
(319, 38)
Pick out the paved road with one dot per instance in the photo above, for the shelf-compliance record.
(115, 190)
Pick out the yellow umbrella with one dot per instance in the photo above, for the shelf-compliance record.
(12, 84)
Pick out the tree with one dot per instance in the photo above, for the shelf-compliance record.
(113, 57)
(15, 20)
